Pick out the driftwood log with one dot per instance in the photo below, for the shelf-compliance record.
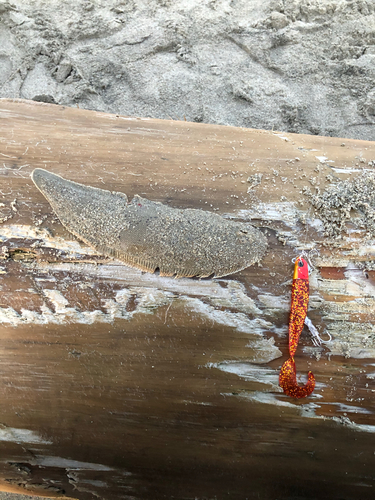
(116, 383)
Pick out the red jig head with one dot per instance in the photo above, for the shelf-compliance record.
(298, 311)
(301, 269)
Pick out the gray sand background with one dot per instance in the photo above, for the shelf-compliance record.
(305, 66)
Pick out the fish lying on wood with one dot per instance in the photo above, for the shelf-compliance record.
(149, 235)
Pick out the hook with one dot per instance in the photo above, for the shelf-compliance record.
(307, 256)
(316, 338)
(330, 338)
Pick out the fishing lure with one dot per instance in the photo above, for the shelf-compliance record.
(300, 300)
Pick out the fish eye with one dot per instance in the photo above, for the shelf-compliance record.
(300, 263)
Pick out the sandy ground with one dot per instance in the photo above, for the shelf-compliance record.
(298, 66)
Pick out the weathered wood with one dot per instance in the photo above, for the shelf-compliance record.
(130, 385)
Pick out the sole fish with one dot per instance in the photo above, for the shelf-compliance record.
(149, 235)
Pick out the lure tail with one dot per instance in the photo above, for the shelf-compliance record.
(298, 311)
(288, 381)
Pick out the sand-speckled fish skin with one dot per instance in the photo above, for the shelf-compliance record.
(149, 235)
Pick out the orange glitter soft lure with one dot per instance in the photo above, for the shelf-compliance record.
(300, 300)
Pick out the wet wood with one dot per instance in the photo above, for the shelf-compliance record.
(121, 384)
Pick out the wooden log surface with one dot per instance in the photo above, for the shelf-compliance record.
(122, 384)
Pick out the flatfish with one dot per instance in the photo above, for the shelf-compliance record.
(149, 235)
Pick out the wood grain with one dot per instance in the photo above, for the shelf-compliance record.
(123, 384)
